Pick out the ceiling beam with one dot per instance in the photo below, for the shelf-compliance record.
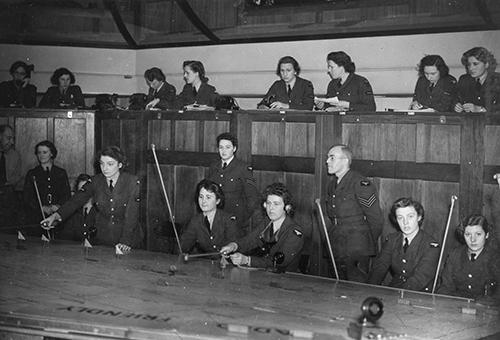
(196, 21)
(113, 9)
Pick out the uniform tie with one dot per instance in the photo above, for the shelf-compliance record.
(3, 169)
(289, 91)
(207, 224)
(431, 86)
(478, 84)
(224, 165)
(111, 185)
(405, 245)
(473, 257)
(195, 92)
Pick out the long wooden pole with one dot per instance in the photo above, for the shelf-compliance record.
(318, 203)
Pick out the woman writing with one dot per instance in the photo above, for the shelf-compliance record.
(291, 91)
(436, 89)
(18, 92)
(161, 94)
(63, 94)
(347, 91)
(212, 227)
(116, 198)
(196, 92)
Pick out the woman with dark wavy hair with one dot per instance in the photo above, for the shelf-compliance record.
(472, 270)
(436, 89)
(161, 95)
(196, 92)
(116, 196)
(479, 88)
(411, 255)
(211, 227)
(63, 94)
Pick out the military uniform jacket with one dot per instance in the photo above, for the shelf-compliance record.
(289, 242)
(205, 96)
(222, 232)
(412, 270)
(353, 207)
(54, 99)
(79, 226)
(486, 95)
(241, 196)
(117, 211)
(53, 187)
(11, 95)
(166, 95)
(441, 97)
(301, 98)
(356, 90)
(463, 277)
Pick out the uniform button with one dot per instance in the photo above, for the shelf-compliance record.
(333, 205)
(404, 260)
(85, 224)
(333, 196)
(48, 179)
(49, 187)
(469, 286)
(111, 200)
(211, 237)
(232, 180)
(112, 209)
(403, 271)
(112, 216)
(470, 275)
(221, 175)
(215, 247)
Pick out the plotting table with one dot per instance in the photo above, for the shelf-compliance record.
(57, 290)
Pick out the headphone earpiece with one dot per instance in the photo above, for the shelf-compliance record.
(264, 205)
(288, 207)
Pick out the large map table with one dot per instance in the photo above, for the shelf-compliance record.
(59, 290)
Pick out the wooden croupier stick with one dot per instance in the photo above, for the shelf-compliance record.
(172, 219)
(186, 257)
(318, 203)
(453, 199)
(40, 202)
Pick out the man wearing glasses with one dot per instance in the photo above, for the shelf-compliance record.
(353, 207)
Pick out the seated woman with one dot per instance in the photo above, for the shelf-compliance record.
(81, 225)
(161, 94)
(473, 269)
(18, 92)
(196, 91)
(291, 91)
(479, 88)
(63, 94)
(436, 89)
(51, 181)
(278, 242)
(211, 228)
(346, 91)
(235, 178)
(411, 255)
(116, 197)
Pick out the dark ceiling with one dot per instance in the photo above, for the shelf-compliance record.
(164, 23)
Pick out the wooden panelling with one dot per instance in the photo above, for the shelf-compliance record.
(129, 143)
(492, 145)
(110, 133)
(69, 139)
(159, 133)
(300, 139)
(491, 208)
(29, 131)
(266, 139)
(187, 136)
(186, 178)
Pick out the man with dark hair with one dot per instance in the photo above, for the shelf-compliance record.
(352, 206)
(278, 241)
(10, 174)
(236, 180)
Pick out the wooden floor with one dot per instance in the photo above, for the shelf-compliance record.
(58, 291)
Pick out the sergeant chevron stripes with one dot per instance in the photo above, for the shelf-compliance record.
(367, 202)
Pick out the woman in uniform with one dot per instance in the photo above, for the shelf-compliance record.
(278, 241)
(196, 92)
(347, 91)
(479, 88)
(63, 94)
(473, 269)
(411, 255)
(436, 89)
(161, 94)
(212, 227)
(18, 92)
(116, 198)
(236, 180)
(291, 91)
(51, 181)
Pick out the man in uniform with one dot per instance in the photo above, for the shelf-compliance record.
(10, 174)
(236, 180)
(353, 208)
